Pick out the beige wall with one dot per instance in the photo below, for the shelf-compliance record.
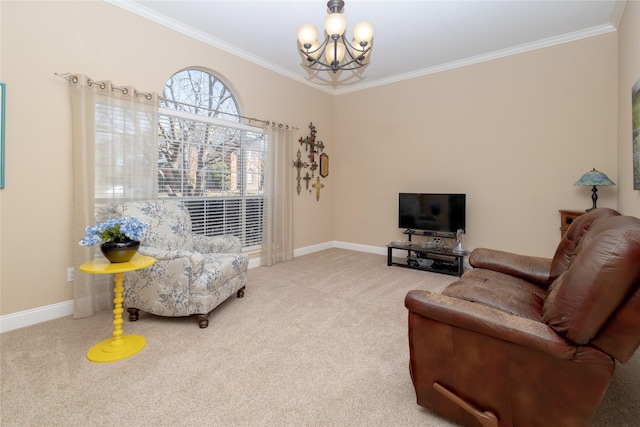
(514, 134)
(106, 42)
(628, 74)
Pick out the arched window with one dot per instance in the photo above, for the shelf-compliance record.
(200, 92)
(209, 158)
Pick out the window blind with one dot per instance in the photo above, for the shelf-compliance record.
(217, 169)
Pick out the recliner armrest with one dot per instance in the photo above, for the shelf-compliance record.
(196, 259)
(532, 269)
(217, 244)
(489, 321)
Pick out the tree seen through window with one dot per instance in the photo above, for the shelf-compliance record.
(209, 158)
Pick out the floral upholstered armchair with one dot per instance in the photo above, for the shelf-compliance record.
(193, 273)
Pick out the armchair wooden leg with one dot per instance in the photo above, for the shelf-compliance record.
(203, 320)
(241, 292)
(133, 314)
(486, 418)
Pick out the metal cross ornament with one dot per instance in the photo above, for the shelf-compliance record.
(318, 185)
(299, 164)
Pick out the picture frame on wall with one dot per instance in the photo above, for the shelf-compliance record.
(3, 96)
(635, 121)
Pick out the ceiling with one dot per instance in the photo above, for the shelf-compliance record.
(411, 38)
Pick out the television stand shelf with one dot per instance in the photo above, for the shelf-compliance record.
(436, 259)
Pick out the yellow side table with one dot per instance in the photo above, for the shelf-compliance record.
(120, 346)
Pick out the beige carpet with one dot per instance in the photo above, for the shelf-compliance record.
(320, 341)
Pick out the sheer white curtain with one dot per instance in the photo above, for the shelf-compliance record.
(277, 225)
(115, 156)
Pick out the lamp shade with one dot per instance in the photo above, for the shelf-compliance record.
(363, 32)
(333, 49)
(307, 34)
(335, 24)
(594, 177)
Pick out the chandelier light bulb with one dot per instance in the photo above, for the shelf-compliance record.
(363, 32)
(307, 34)
(335, 24)
(329, 54)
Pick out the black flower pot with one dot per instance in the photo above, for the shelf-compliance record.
(120, 251)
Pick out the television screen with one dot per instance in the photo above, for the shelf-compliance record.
(444, 213)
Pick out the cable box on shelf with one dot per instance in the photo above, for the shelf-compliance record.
(428, 233)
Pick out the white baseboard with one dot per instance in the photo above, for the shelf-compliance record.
(253, 263)
(21, 319)
(42, 314)
(360, 248)
(311, 249)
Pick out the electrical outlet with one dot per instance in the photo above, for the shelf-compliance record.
(437, 240)
(71, 272)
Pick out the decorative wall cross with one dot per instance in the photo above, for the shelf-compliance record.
(307, 178)
(318, 185)
(312, 147)
(299, 164)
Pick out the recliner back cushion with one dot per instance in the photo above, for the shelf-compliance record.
(603, 273)
(169, 223)
(569, 243)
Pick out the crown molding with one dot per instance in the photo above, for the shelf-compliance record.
(179, 27)
(618, 11)
(173, 24)
(527, 47)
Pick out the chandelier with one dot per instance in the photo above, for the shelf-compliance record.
(336, 52)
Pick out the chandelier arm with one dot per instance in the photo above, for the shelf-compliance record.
(320, 48)
(346, 64)
(328, 67)
(313, 62)
(362, 49)
(361, 53)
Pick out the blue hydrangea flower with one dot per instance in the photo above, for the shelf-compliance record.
(114, 230)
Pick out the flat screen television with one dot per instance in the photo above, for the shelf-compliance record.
(440, 213)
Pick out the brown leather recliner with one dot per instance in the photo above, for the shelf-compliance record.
(528, 341)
